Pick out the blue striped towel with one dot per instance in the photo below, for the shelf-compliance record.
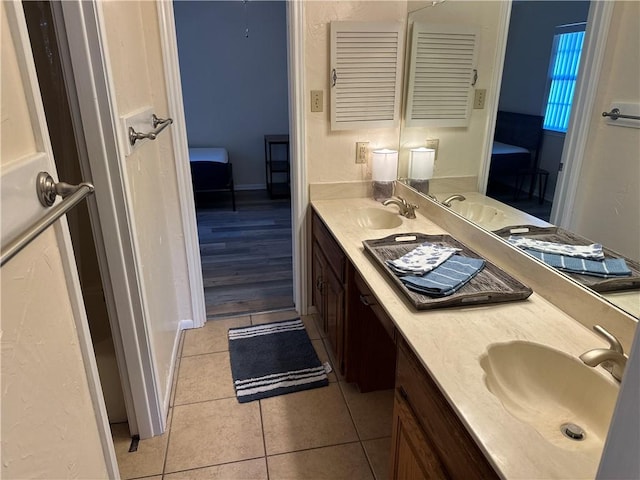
(446, 279)
(610, 267)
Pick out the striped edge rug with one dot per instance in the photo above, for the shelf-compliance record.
(274, 359)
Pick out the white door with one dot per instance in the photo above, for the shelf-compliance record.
(54, 422)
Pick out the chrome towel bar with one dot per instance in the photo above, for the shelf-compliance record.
(615, 114)
(159, 124)
(47, 190)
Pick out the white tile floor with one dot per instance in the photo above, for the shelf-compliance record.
(325, 433)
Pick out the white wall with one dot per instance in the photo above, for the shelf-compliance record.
(150, 175)
(620, 456)
(330, 156)
(526, 64)
(49, 426)
(235, 87)
(607, 206)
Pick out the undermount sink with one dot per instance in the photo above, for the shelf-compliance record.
(567, 402)
(484, 215)
(375, 218)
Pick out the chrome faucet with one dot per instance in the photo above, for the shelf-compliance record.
(447, 201)
(407, 209)
(612, 359)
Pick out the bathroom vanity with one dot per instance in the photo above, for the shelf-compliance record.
(447, 422)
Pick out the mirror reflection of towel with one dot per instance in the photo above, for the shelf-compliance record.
(447, 278)
(592, 252)
(610, 267)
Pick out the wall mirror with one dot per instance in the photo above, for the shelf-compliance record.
(463, 161)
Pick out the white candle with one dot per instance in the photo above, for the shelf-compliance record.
(384, 166)
(421, 162)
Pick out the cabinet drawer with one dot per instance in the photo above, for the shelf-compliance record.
(332, 251)
(367, 297)
(456, 448)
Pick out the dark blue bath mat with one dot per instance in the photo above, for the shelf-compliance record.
(273, 359)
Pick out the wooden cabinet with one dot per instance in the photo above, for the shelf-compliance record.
(429, 440)
(360, 334)
(328, 272)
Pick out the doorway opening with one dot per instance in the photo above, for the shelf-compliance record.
(236, 100)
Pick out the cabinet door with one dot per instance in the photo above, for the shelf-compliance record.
(318, 268)
(376, 67)
(370, 352)
(412, 455)
(447, 435)
(334, 315)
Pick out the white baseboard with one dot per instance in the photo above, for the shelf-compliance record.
(182, 325)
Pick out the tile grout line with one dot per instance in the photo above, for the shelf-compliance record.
(203, 467)
(309, 449)
(264, 439)
(205, 401)
(360, 440)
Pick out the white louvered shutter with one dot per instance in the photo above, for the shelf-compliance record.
(442, 74)
(366, 74)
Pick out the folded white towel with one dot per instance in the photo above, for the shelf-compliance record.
(592, 252)
(421, 259)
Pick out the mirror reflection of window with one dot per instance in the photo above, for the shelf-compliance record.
(563, 73)
(540, 71)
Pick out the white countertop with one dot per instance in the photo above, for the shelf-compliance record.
(449, 343)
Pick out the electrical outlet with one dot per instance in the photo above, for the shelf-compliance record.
(316, 100)
(433, 144)
(362, 151)
(479, 98)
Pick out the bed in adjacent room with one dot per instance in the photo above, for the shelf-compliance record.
(211, 171)
(516, 147)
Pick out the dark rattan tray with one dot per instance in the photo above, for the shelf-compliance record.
(559, 235)
(491, 285)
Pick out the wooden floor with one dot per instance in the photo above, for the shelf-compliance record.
(506, 194)
(246, 254)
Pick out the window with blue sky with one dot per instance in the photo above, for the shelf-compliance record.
(563, 72)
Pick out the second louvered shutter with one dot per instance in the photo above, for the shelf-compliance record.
(366, 73)
(443, 62)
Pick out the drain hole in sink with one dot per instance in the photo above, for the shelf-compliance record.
(573, 432)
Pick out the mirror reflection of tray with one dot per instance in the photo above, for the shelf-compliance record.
(490, 285)
(559, 235)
